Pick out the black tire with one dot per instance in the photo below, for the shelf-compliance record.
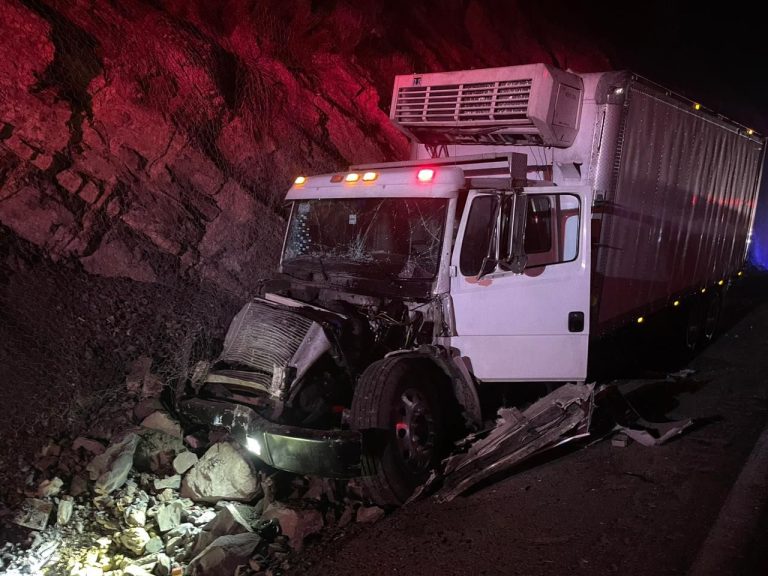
(397, 406)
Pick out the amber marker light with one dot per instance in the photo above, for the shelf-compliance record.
(750, 131)
(370, 176)
(300, 180)
(352, 177)
(740, 273)
(703, 290)
(721, 282)
(676, 303)
(697, 106)
(426, 175)
(640, 320)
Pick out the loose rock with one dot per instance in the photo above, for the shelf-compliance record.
(224, 555)
(93, 446)
(169, 516)
(184, 462)
(369, 514)
(110, 469)
(169, 482)
(162, 422)
(295, 523)
(221, 474)
(64, 512)
(50, 487)
(156, 452)
(134, 539)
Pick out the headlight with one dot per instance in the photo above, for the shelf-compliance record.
(253, 445)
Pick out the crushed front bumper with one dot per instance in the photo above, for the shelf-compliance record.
(328, 453)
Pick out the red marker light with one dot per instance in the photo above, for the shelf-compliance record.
(425, 175)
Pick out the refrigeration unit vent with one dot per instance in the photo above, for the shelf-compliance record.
(531, 104)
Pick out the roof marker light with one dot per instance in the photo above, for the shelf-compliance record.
(750, 131)
(352, 177)
(370, 176)
(300, 180)
(721, 282)
(640, 320)
(696, 106)
(337, 178)
(425, 175)
(676, 303)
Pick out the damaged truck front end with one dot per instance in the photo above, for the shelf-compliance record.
(269, 388)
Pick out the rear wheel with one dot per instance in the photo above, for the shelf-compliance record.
(396, 403)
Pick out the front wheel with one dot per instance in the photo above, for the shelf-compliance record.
(397, 406)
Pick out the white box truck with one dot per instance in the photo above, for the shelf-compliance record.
(541, 209)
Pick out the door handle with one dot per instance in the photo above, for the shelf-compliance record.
(576, 322)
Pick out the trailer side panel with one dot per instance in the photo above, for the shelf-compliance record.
(679, 216)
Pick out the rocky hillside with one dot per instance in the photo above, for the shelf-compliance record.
(154, 140)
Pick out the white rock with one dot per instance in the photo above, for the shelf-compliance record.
(169, 516)
(64, 512)
(134, 539)
(110, 469)
(227, 521)
(221, 474)
(50, 487)
(170, 482)
(163, 422)
(295, 524)
(184, 462)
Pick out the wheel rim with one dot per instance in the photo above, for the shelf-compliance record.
(415, 430)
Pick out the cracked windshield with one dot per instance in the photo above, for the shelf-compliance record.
(392, 237)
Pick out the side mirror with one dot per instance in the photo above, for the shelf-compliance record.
(515, 258)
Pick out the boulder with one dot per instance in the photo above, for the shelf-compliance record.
(110, 469)
(224, 555)
(221, 474)
(184, 462)
(295, 523)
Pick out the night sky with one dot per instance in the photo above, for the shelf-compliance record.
(712, 53)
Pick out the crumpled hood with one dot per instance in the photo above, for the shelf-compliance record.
(268, 346)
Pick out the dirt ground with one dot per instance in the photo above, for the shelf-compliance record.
(598, 509)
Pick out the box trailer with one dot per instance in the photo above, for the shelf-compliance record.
(541, 209)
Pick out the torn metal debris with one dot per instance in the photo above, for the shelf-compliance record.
(559, 417)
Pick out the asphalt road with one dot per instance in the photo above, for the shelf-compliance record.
(598, 509)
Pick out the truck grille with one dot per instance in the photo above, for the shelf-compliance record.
(505, 100)
(262, 337)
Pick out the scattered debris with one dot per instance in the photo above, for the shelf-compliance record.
(632, 424)
(620, 441)
(560, 416)
(34, 514)
(224, 554)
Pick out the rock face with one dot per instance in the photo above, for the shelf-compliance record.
(221, 474)
(148, 140)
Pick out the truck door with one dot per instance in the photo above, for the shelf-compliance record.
(531, 325)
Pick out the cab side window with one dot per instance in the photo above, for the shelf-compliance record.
(479, 234)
